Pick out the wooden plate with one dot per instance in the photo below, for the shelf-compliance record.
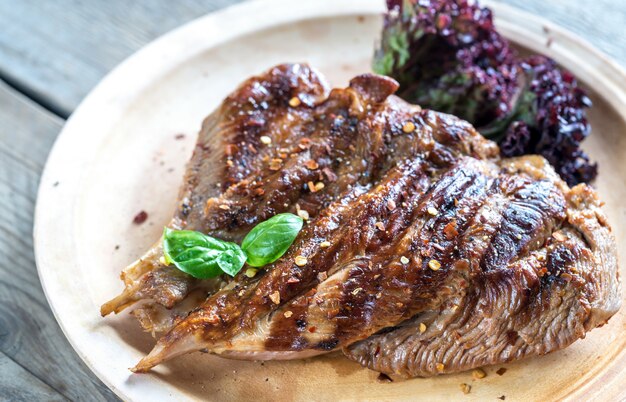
(118, 154)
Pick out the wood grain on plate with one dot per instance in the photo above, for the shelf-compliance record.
(132, 161)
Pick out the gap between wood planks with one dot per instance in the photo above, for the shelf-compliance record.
(32, 95)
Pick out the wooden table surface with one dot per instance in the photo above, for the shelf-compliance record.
(51, 54)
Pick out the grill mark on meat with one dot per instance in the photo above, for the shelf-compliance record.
(235, 122)
(260, 105)
(284, 186)
(558, 261)
(534, 210)
(537, 304)
(284, 329)
(457, 338)
(352, 302)
(349, 237)
(396, 221)
(460, 196)
(227, 311)
(414, 286)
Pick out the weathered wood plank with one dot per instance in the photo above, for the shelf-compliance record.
(600, 22)
(29, 334)
(56, 51)
(17, 384)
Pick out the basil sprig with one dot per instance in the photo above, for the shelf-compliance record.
(204, 257)
(269, 240)
(201, 256)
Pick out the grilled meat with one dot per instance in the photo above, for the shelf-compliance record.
(417, 225)
(518, 304)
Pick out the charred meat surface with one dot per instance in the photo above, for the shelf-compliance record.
(414, 224)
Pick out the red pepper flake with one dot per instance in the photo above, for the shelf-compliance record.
(179, 136)
(450, 230)
(311, 164)
(294, 102)
(567, 277)
(312, 329)
(140, 218)
(501, 371)
(275, 297)
(259, 191)
(275, 164)
(465, 388)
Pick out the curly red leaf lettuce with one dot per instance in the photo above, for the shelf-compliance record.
(550, 120)
(448, 56)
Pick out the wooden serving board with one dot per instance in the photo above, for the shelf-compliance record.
(119, 154)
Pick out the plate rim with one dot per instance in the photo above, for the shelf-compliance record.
(184, 40)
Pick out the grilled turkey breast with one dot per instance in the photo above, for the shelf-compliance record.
(425, 252)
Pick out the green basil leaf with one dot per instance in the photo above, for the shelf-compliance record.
(201, 256)
(269, 240)
(231, 261)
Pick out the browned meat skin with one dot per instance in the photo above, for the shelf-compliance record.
(232, 134)
(343, 135)
(541, 301)
(424, 224)
(432, 146)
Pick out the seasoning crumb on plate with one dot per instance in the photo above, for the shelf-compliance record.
(479, 373)
(140, 218)
(382, 377)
